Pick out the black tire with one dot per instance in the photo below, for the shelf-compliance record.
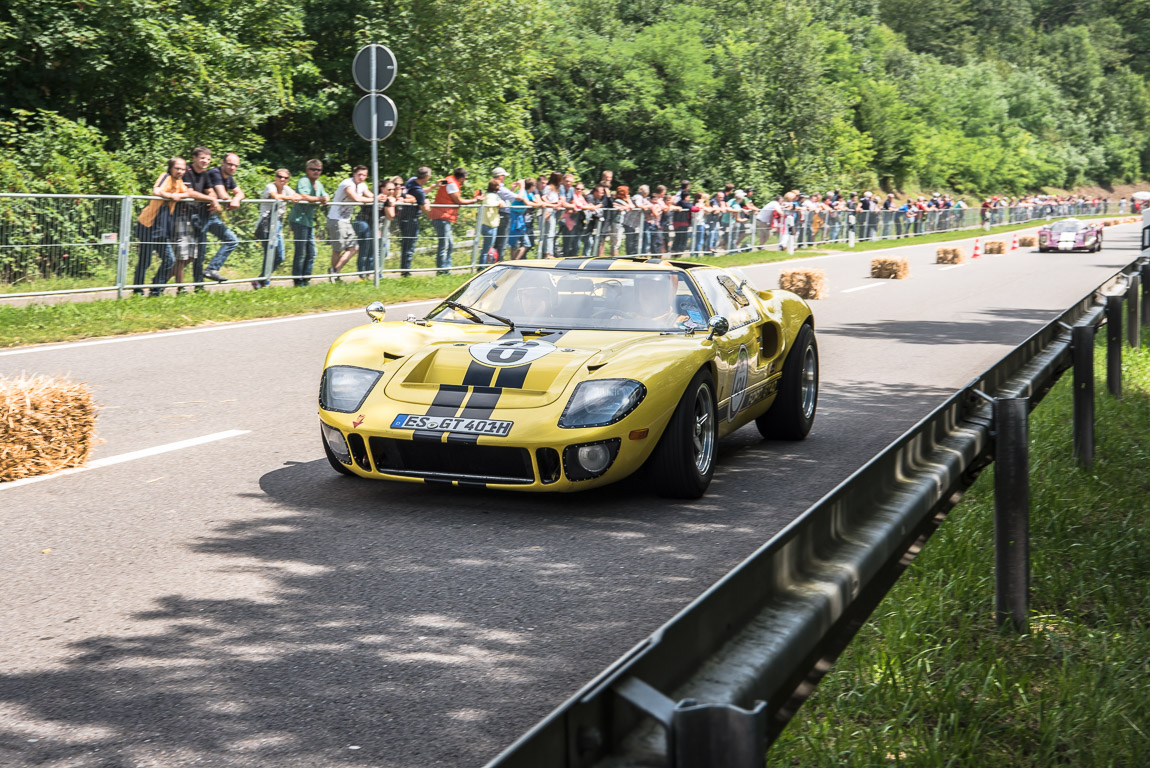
(683, 462)
(336, 464)
(791, 415)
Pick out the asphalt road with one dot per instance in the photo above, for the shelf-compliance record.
(237, 603)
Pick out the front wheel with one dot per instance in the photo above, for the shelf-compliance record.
(683, 462)
(791, 415)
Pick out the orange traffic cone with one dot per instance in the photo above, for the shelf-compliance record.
(1014, 242)
(976, 253)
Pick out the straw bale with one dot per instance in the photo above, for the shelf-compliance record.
(894, 269)
(1027, 241)
(995, 246)
(950, 256)
(807, 283)
(45, 425)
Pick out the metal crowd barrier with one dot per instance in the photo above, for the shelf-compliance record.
(716, 683)
(60, 244)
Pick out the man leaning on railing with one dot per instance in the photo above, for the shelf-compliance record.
(302, 220)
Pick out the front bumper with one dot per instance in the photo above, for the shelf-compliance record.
(545, 464)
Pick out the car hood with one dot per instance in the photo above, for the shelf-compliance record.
(530, 370)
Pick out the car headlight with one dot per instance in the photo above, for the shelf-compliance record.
(344, 387)
(599, 402)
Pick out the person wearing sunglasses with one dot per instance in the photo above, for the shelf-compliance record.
(302, 220)
(270, 213)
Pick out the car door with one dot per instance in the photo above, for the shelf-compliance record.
(737, 351)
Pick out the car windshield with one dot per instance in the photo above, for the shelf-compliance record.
(1059, 227)
(538, 297)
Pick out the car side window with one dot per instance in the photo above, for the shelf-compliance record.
(724, 296)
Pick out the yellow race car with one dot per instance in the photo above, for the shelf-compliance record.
(562, 375)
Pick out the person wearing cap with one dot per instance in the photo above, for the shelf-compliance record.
(499, 175)
(738, 221)
(415, 200)
(866, 213)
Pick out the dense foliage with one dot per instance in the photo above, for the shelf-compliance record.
(969, 95)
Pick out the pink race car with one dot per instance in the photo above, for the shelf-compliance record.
(1070, 235)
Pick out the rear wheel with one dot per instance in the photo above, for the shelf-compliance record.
(791, 415)
(684, 460)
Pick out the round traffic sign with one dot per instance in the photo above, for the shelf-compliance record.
(384, 67)
(385, 117)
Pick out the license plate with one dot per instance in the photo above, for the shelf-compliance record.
(461, 425)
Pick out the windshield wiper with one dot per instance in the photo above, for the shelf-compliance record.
(475, 313)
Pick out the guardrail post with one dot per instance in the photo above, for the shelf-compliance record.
(1133, 311)
(1145, 292)
(1012, 511)
(702, 735)
(125, 236)
(1114, 345)
(1082, 353)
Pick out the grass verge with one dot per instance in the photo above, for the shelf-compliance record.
(71, 320)
(930, 681)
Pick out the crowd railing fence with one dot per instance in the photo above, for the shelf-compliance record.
(67, 244)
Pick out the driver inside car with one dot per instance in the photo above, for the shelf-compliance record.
(536, 296)
(658, 301)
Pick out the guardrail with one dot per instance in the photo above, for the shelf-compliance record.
(716, 683)
(63, 244)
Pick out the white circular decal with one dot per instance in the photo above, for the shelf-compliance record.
(739, 386)
(511, 352)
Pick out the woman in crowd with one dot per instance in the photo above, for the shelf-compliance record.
(155, 228)
(272, 214)
(489, 223)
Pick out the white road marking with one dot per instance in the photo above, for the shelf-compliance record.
(952, 266)
(864, 287)
(123, 457)
(205, 329)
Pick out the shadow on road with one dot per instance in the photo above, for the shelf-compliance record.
(997, 326)
(419, 625)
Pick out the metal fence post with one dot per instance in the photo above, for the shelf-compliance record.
(125, 236)
(272, 243)
(478, 235)
(1133, 311)
(1012, 511)
(1114, 345)
(1082, 353)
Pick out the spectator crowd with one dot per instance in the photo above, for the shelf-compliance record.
(555, 215)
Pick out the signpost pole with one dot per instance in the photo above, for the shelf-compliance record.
(374, 178)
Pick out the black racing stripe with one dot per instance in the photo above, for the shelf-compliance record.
(512, 378)
(446, 403)
(447, 400)
(482, 402)
(598, 265)
(478, 374)
(480, 405)
(570, 263)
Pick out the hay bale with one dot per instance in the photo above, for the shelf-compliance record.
(893, 269)
(995, 246)
(950, 256)
(45, 425)
(807, 283)
(1027, 241)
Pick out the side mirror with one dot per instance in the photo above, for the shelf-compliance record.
(376, 311)
(719, 326)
